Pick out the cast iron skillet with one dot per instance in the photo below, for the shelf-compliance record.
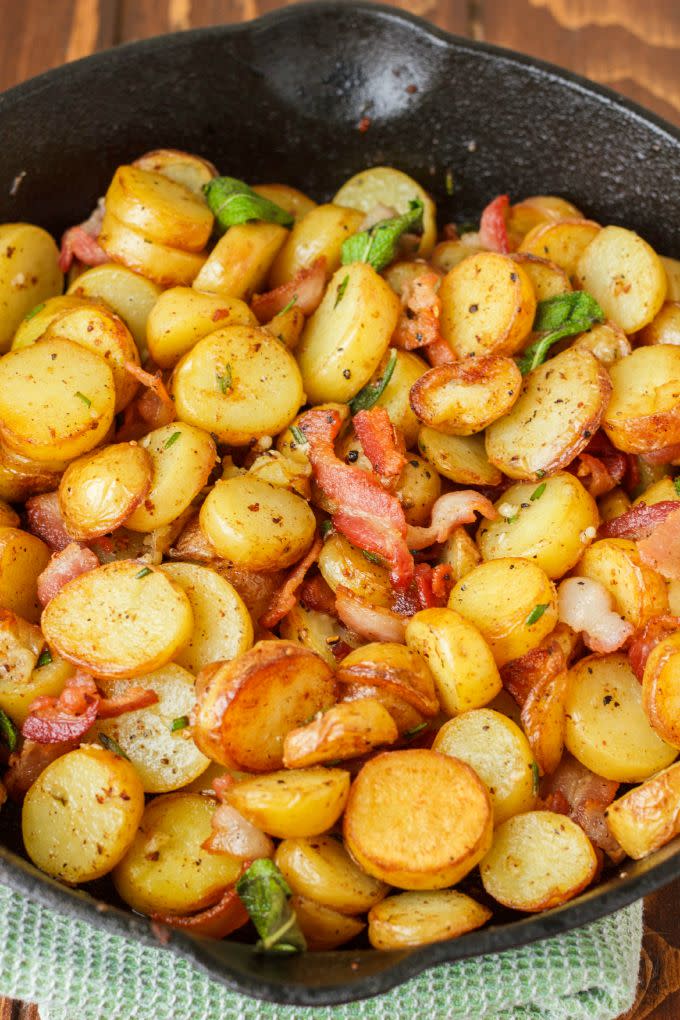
(280, 99)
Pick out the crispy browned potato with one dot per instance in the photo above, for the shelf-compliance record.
(648, 816)
(322, 927)
(22, 558)
(394, 668)
(465, 397)
(562, 242)
(638, 592)
(419, 918)
(320, 869)
(182, 167)
(544, 721)
(547, 278)
(661, 689)
(644, 413)
(299, 802)
(97, 493)
(346, 730)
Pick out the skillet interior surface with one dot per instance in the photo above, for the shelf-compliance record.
(281, 99)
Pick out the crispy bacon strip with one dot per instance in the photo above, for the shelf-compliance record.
(30, 762)
(216, 922)
(156, 406)
(375, 623)
(433, 584)
(648, 637)
(594, 475)
(51, 724)
(286, 597)
(493, 232)
(450, 511)
(306, 289)
(418, 324)
(132, 700)
(660, 550)
(81, 241)
(317, 595)
(439, 353)
(368, 516)
(43, 516)
(639, 521)
(380, 441)
(63, 567)
(521, 675)
(586, 796)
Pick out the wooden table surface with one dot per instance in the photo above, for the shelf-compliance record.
(627, 44)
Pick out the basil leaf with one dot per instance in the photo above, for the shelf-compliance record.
(232, 201)
(44, 659)
(8, 731)
(265, 895)
(563, 315)
(372, 392)
(378, 244)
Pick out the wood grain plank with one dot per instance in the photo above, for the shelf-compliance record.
(625, 44)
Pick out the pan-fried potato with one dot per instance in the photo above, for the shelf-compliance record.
(163, 265)
(9, 518)
(391, 666)
(292, 200)
(511, 601)
(320, 232)
(81, 814)
(434, 823)
(644, 413)
(148, 619)
(301, 802)
(247, 706)
(560, 408)
(613, 504)
(661, 688)
(460, 553)
(29, 274)
(408, 367)
(466, 396)
(56, 400)
(257, 525)
(658, 492)
(164, 759)
(672, 270)
(538, 860)
(538, 209)
(418, 489)
(341, 563)
(550, 523)
(488, 305)
(460, 659)
(222, 625)
(419, 918)
(461, 459)
(625, 275)
(648, 816)
(664, 327)
(39, 319)
(606, 341)
(321, 869)
(166, 869)
(182, 457)
(344, 731)
(22, 558)
(182, 316)
(562, 242)
(607, 729)
(447, 254)
(159, 208)
(20, 645)
(544, 720)
(547, 278)
(385, 186)
(238, 264)
(322, 927)
(98, 492)
(239, 383)
(182, 167)
(23, 680)
(409, 720)
(130, 295)
(347, 336)
(638, 592)
(317, 631)
(495, 747)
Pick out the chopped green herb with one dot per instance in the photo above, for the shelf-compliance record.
(111, 745)
(325, 529)
(298, 435)
(172, 440)
(85, 400)
(232, 201)
(44, 659)
(180, 723)
(535, 776)
(378, 245)
(537, 493)
(8, 731)
(511, 520)
(289, 305)
(373, 558)
(266, 896)
(541, 473)
(340, 292)
(34, 311)
(224, 382)
(448, 182)
(410, 734)
(144, 572)
(372, 392)
(558, 317)
(676, 484)
(536, 613)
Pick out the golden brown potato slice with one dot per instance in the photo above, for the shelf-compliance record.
(321, 232)
(299, 802)
(322, 927)
(648, 816)
(22, 558)
(130, 296)
(544, 720)
(182, 167)
(81, 814)
(463, 398)
(317, 631)
(672, 270)
(238, 264)
(163, 265)
(97, 493)
(561, 242)
(20, 686)
(488, 305)
(247, 706)
(560, 408)
(447, 254)
(40, 318)
(408, 367)
(392, 667)
(341, 563)
(638, 592)
(547, 278)
(664, 327)
(29, 274)
(344, 731)
(606, 341)
(538, 209)
(292, 200)
(148, 619)
(538, 860)
(644, 412)
(661, 689)
(159, 208)
(420, 918)
(461, 459)
(385, 186)
(320, 869)
(20, 645)
(182, 316)
(460, 553)
(442, 834)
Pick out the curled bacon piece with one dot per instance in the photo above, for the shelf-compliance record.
(664, 455)
(306, 289)
(317, 595)
(375, 623)
(50, 722)
(647, 638)
(594, 475)
(81, 242)
(156, 407)
(493, 232)
(450, 511)
(433, 584)
(132, 700)
(216, 922)
(418, 324)
(660, 550)
(43, 517)
(380, 441)
(585, 605)
(367, 515)
(63, 567)
(30, 762)
(639, 521)
(574, 790)
(285, 598)
(601, 467)
(439, 353)
(520, 676)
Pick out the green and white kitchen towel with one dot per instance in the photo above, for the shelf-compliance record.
(77, 972)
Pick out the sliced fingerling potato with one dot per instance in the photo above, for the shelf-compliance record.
(638, 592)
(37, 322)
(466, 396)
(648, 816)
(544, 720)
(672, 270)
(29, 275)
(344, 731)
(342, 564)
(643, 413)
(317, 631)
(606, 341)
(385, 186)
(21, 685)
(299, 802)
(664, 327)
(538, 860)
(393, 667)
(160, 208)
(23, 557)
(291, 199)
(193, 172)
(321, 869)
(240, 261)
(148, 619)
(419, 918)
(537, 209)
(418, 488)
(320, 233)
(182, 316)
(661, 689)
(98, 492)
(461, 459)
(460, 553)
(561, 242)
(547, 278)
(322, 927)
(160, 263)
(130, 295)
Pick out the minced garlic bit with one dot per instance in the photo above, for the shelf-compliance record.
(588, 535)
(507, 510)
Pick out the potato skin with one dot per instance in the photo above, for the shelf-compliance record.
(466, 396)
(637, 591)
(160, 263)
(418, 919)
(98, 493)
(321, 869)
(661, 688)
(562, 242)
(648, 816)
(344, 731)
(643, 413)
(322, 927)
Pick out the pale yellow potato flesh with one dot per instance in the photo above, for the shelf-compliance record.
(160, 263)
(385, 186)
(644, 413)
(562, 242)
(23, 557)
(321, 869)
(193, 172)
(162, 209)
(638, 592)
(419, 918)
(322, 927)
(20, 687)
(461, 459)
(182, 316)
(320, 233)
(29, 275)
(341, 563)
(463, 398)
(129, 295)
(648, 816)
(240, 261)
(292, 803)
(346, 730)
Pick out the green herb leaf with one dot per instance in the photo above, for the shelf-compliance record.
(265, 895)
(536, 613)
(8, 731)
(232, 201)
(144, 572)
(537, 493)
(535, 777)
(325, 529)
(172, 440)
(541, 473)
(511, 520)
(372, 392)
(85, 400)
(34, 311)
(676, 484)
(111, 745)
(289, 305)
(224, 382)
(180, 723)
(448, 182)
(298, 435)
(340, 292)
(372, 558)
(378, 245)
(44, 659)
(558, 317)
(410, 734)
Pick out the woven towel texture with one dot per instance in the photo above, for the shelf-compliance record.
(76, 972)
